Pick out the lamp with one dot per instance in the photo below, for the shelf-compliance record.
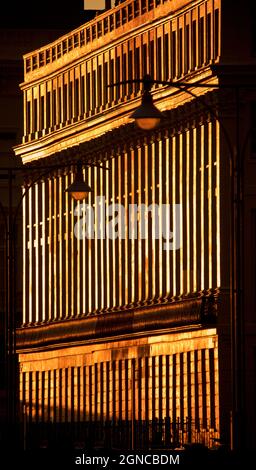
(79, 190)
(147, 116)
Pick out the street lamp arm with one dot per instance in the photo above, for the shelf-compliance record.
(167, 83)
(38, 178)
(42, 175)
(183, 86)
(214, 114)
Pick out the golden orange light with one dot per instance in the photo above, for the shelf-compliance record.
(147, 124)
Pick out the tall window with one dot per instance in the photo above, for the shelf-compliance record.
(59, 117)
(144, 59)
(70, 100)
(82, 109)
(216, 34)
(152, 59)
(48, 109)
(100, 85)
(93, 90)
(41, 124)
(88, 92)
(186, 50)
(180, 60)
(105, 81)
(118, 77)
(159, 59)
(28, 117)
(173, 58)
(201, 41)
(124, 71)
(194, 45)
(166, 56)
(76, 98)
(208, 37)
(35, 115)
(54, 120)
(65, 102)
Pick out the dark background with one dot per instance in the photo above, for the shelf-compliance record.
(48, 14)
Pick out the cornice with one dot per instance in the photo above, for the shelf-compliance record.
(94, 328)
(89, 129)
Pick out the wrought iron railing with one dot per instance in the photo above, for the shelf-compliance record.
(123, 435)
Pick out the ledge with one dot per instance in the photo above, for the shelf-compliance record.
(150, 319)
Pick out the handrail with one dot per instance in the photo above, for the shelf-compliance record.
(90, 31)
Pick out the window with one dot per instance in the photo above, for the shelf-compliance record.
(216, 34)
(159, 59)
(58, 50)
(59, 105)
(35, 115)
(88, 92)
(208, 38)
(166, 56)
(76, 98)
(41, 124)
(82, 96)
(201, 41)
(117, 19)
(124, 71)
(105, 80)
(152, 61)
(48, 109)
(118, 77)
(124, 15)
(70, 100)
(137, 67)
(180, 60)
(194, 46)
(130, 72)
(28, 117)
(88, 35)
(65, 101)
(53, 53)
(186, 51)
(111, 72)
(93, 32)
(99, 83)
(144, 59)
(54, 120)
(82, 38)
(173, 58)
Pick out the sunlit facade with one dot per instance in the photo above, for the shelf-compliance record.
(124, 331)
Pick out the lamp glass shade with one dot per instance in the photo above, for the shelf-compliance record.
(79, 190)
(147, 116)
(79, 195)
(147, 124)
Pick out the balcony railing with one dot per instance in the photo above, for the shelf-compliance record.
(89, 32)
(120, 434)
(172, 48)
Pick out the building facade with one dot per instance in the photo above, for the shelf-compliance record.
(120, 334)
